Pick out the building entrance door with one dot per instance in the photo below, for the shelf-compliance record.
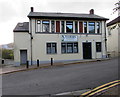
(87, 53)
(23, 56)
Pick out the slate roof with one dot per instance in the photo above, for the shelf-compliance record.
(65, 16)
(22, 27)
(116, 20)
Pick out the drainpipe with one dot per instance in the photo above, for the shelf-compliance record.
(105, 39)
(31, 37)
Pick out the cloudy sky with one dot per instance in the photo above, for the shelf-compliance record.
(14, 11)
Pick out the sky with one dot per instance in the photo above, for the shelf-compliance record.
(14, 11)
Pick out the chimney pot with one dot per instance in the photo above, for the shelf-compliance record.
(32, 9)
(92, 11)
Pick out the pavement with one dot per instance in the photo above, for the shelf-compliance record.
(6, 69)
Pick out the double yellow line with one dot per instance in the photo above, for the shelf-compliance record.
(100, 88)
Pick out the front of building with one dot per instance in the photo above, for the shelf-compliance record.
(61, 36)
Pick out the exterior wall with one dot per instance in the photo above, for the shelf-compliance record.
(21, 42)
(113, 40)
(104, 45)
(39, 48)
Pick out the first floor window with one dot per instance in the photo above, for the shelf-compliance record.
(62, 26)
(69, 26)
(98, 47)
(69, 47)
(51, 48)
(98, 27)
(85, 27)
(45, 26)
(52, 26)
(76, 26)
(91, 27)
(38, 26)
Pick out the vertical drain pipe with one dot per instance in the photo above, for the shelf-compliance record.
(105, 38)
(30, 33)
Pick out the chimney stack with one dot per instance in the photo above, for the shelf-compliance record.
(92, 11)
(32, 9)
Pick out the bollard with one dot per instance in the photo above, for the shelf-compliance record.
(27, 65)
(38, 63)
(2, 61)
(51, 61)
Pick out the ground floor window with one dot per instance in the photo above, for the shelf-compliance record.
(51, 48)
(69, 47)
(98, 47)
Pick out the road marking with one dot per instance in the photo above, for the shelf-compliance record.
(101, 88)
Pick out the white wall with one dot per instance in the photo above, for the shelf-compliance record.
(113, 40)
(21, 42)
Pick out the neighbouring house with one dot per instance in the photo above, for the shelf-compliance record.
(113, 35)
(61, 36)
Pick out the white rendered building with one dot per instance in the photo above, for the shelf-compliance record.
(113, 35)
(61, 36)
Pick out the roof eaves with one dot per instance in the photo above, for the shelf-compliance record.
(114, 21)
(64, 15)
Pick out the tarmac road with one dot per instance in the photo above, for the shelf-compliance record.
(59, 79)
